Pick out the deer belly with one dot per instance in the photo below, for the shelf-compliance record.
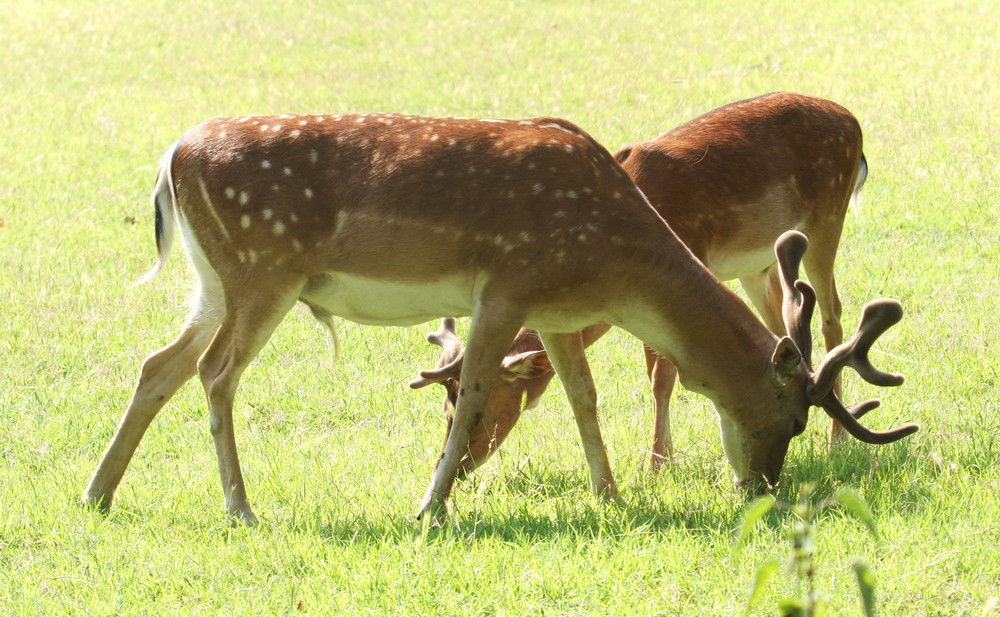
(380, 302)
(727, 265)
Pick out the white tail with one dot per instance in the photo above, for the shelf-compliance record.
(394, 220)
(163, 206)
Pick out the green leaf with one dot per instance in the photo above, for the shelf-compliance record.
(754, 512)
(787, 607)
(866, 585)
(820, 608)
(765, 572)
(855, 503)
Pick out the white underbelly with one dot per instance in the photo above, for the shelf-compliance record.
(727, 266)
(391, 303)
(378, 302)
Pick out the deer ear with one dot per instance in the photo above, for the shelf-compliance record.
(785, 362)
(527, 365)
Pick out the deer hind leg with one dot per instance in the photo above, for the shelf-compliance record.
(162, 374)
(244, 331)
(492, 332)
(662, 377)
(764, 291)
(568, 358)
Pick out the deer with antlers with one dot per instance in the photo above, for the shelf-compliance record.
(728, 183)
(388, 219)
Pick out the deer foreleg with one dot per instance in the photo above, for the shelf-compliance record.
(568, 358)
(493, 329)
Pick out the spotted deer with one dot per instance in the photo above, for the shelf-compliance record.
(389, 219)
(728, 183)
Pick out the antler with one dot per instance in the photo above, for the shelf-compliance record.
(445, 337)
(799, 297)
(516, 365)
(849, 420)
(876, 317)
(450, 363)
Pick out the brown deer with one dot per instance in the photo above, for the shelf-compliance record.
(728, 183)
(395, 220)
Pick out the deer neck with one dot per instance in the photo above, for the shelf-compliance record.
(705, 329)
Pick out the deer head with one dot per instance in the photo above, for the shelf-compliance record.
(524, 374)
(762, 448)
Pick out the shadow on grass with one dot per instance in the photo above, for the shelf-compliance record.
(541, 504)
(528, 509)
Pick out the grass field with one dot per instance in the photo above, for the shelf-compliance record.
(337, 455)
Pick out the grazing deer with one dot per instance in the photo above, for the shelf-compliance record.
(395, 220)
(728, 183)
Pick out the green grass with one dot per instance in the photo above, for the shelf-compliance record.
(338, 455)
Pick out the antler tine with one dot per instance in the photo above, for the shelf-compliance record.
(444, 335)
(876, 317)
(450, 362)
(862, 408)
(849, 420)
(451, 370)
(799, 298)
